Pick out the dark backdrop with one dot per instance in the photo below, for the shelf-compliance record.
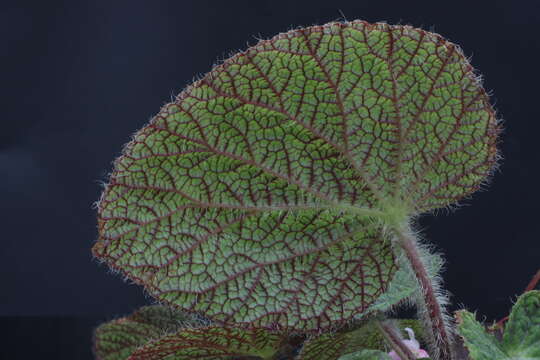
(78, 78)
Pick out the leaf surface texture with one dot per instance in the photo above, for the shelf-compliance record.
(260, 195)
(212, 343)
(116, 340)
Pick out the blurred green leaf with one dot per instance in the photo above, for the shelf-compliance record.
(331, 346)
(366, 355)
(116, 340)
(521, 338)
(481, 345)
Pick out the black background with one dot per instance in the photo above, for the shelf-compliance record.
(78, 78)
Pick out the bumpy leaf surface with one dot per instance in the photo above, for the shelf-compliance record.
(253, 197)
(332, 346)
(403, 286)
(211, 343)
(521, 338)
(366, 355)
(480, 344)
(118, 339)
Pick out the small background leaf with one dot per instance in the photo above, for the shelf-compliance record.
(366, 355)
(521, 337)
(480, 344)
(212, 343)
(404, 285)
(116, 340)
(331, 346)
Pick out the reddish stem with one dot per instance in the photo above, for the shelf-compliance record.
(392, 336)
(436, 324)
(531, 286)
(534, 281)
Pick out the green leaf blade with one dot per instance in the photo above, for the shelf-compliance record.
(521, 337)
(118, 339)
(260, 194)
(331, 346)
(480, 344)
(211, 343)
(366, 355)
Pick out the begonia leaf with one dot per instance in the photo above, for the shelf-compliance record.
(116, 340)
(263, 193)
(521, 338)
(332, 346)
(212, 343)
(366, 355)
